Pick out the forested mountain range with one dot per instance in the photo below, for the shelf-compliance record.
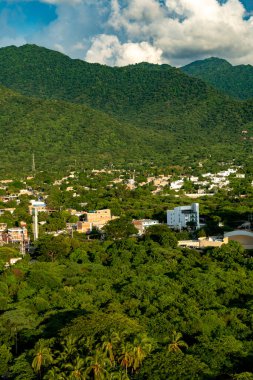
(236, 81)
(67, 110)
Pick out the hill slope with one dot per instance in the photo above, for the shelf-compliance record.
(71, 110)
(236, 81)
(60, 133)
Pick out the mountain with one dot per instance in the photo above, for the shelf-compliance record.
(236, 81)
(66, 110)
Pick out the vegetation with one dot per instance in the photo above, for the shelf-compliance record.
(87, 115)
(113, 305)
(233, 80)
(127, 309)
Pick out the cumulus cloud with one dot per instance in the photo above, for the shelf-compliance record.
(119, 32)
(107, 49)
(76, 23)
(187, 29)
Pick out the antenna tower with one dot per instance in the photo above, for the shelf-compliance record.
(33, 164)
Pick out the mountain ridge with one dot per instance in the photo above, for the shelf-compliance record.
(99, 114)
(236, 81)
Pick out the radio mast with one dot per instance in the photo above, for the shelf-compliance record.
(33, 165)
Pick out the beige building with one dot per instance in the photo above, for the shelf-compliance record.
(203, 243)
(93, 219)
(84, 227)
(17, 235)
(245, 238)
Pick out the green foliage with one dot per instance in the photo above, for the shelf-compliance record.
(129, 309)
(5, 358)
(234, 80)
(149, 112)
(119, 228)
(162, 235)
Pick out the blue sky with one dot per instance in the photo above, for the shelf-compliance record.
(120, 32)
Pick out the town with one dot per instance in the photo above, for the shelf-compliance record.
(83, 203)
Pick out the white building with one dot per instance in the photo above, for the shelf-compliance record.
(142, 224)
(177, 185)
(181, 216)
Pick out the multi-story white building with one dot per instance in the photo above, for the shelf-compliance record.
(183, 216)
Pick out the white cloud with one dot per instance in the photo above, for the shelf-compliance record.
(118, 32)
(76, 23)
(107, 49)
(187, 29)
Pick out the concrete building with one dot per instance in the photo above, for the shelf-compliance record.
(142, 224)
(245, 238)
(17, 235)
(183, 216)
(3, 227)
(83, 227)
(203, 243)
(96, 219)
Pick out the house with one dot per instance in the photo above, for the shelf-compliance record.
(183, 216)
(3, 227)
(177, 185)
(17, 235)
(4, 210)
(8, 198)
(142, 224)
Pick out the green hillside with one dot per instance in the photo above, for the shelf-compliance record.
(61, 133)
(36, 71)
(236, 81)
(71, 111)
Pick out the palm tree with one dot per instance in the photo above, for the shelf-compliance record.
(42, 357)
(76, 369)
(54, 374)
(98, 365)
(69, 345)
(176, 343)
(109, 346)
(142, 347)
(121, 375)
(126, 357)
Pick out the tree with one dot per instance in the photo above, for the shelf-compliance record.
(142, 347)
(42, 356)
(244, 376)
(98, 365)
(119, 229)
(21, 369)
(162, 235)
(230, 253)
(76, 369)
(126, 358)
(176, 343)
(108, 347)
(5, 358)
